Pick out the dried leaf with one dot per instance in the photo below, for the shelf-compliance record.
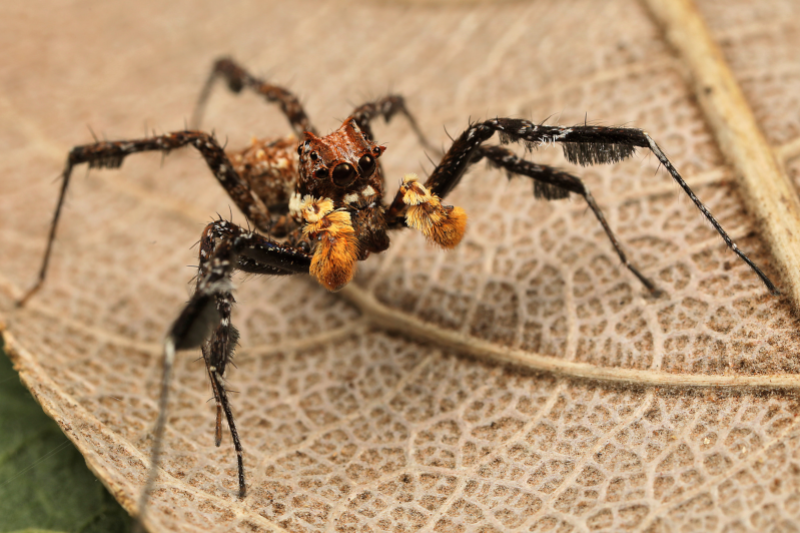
(386, 407)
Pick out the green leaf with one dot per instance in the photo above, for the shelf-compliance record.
(45, 485)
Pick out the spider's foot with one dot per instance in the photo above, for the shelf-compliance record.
(442, 224)
(27, 296)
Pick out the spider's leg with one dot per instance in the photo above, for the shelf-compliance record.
(586, 145)
(205, 320)
(238, 78)
(387, 107)
(223, 245)
(552, 184)
(110, 154)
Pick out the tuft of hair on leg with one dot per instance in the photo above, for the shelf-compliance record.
(548, 191)
(336, 251)
(586, 153)
(443, 225)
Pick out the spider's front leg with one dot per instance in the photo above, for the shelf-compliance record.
(205, 320)
(585, 145)
(110, 154)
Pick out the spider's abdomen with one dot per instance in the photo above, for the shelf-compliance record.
(270, 168)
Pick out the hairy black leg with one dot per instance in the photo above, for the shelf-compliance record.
(212, 376)
(255, 253)
(219, 347)
(110, 154)
(238, 78)
(585, 145)
(387, 107)
(224, 406)
(552, 184)
(205, 321)
(224, 248)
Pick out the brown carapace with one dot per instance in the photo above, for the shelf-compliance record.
(317, 204)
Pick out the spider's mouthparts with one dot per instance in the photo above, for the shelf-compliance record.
(442, 224)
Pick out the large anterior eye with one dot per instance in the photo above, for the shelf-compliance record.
(343, 174)
(366, 165)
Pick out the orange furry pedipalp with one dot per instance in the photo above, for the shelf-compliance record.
(442, 224)
(336, 252)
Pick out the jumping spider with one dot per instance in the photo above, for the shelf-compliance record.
(317, 207)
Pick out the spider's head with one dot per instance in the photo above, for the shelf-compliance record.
(338, 201)
(342, 166)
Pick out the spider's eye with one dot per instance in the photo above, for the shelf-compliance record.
(321, 173)
(344, 174)
(300, 150)
(366, 165)
(313, 156)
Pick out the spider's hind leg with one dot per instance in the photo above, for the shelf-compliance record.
(238, 78)
(110, 154)
(388, 107)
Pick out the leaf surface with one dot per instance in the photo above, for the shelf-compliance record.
(388, 406)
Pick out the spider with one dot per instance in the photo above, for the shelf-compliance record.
(317, 205)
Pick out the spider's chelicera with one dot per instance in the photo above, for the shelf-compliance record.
(318, 207)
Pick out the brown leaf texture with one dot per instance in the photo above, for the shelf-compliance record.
(390, 406)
